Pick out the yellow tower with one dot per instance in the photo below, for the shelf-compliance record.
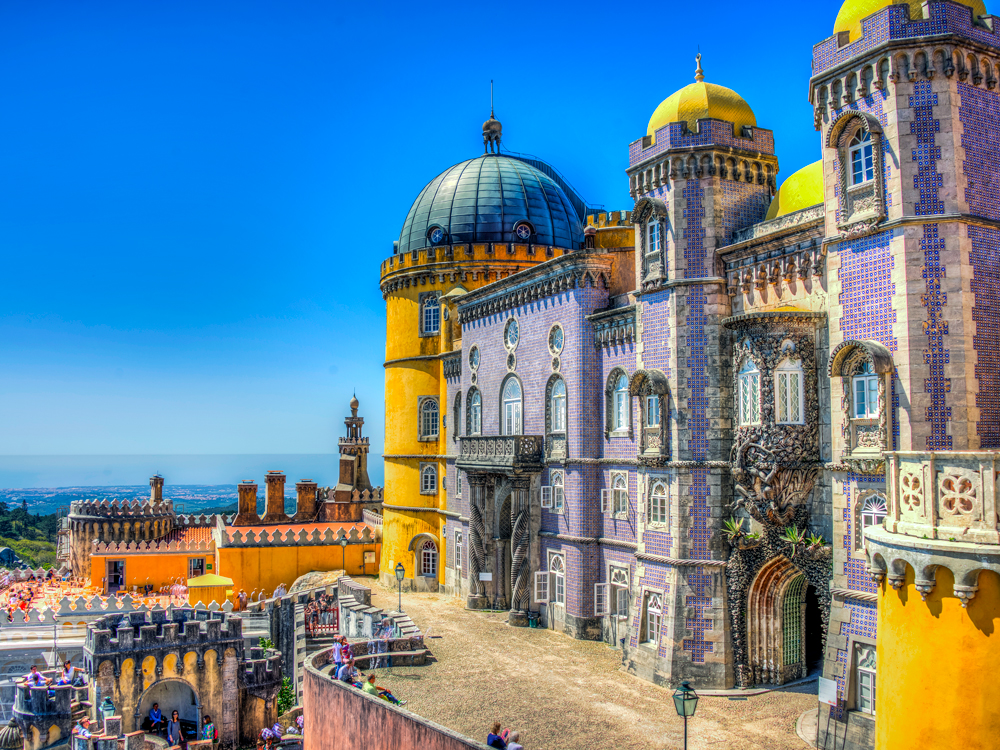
(478, 221)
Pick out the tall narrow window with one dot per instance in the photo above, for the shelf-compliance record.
(475, 413)
(652, 612)
(865, 699)
(866, 393)
(653, 411)
(429, 419)
(457, 416)
(749, 406)
(512, 407)
(619, 592)
(788, 393)
(658, 503)
(558, 406)
(862, 159)
(431, 314)
(619, 493)
(557, 570)
(653, 243)
(458, 551)
(558, 491)
(621, 404)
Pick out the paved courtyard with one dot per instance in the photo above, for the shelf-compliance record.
(563, 693)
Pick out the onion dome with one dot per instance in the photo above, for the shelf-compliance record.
(492, 198)
(354, 402)
(700, 101)
(852, 12)
(10, 737)
(800, 190)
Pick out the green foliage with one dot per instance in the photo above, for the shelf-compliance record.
(286, 696)
(815, 541)
(754, 535)
(31, 537)
(266, 643)
(793, 535)
(33, 553)
(732, 528)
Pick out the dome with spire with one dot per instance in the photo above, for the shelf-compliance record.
(853, 12)
(699, 101)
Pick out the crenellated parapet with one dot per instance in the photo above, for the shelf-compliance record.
(250, 538)
(123, 509)
(374, 495)
(154, 547)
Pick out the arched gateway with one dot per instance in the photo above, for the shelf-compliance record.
(776, 623)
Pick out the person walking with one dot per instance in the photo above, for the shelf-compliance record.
(175, 736)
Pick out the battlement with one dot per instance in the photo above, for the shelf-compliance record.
(130, 509)
(249, 538)
(74, 610)
(373, 495)
(610, 219)
(155, 547)
(262, 668)
(160, 628)
(470, 252)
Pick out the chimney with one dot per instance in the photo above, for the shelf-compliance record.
(246, 510)
(275, 510)
(305, 506)
(156, 489)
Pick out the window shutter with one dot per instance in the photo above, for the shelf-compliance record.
(600, 599)
(547, 497)
(542, 586)
(604, 500)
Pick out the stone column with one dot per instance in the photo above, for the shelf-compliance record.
(274, 512)
(477, 541)
(246, 510)
(520, 570)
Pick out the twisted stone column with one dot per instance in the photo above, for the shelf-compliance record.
(519, 569)
(477, 540)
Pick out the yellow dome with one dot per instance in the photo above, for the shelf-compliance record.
(800, 190)
(700, 100)
(853, 11)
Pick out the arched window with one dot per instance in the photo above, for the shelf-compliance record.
(557, 570)
(619, 493)
(558, 406)
(430, 313)
(862, 159)
(428, 479)
(871, 509)
(474, 413)
(788, 394)
(652, 612)
(512, 407)
(457, 417)
(428, 559)
(658, 503)
(749, 396)
(429, 419)
(654, 244)
(865, 391)
(620, 401)
(558, 493)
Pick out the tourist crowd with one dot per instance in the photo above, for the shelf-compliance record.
(345, 670)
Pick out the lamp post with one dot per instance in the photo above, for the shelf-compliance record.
(685, 701)
(400, 572)
(343, 554)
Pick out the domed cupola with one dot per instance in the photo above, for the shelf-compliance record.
(699, 101)
(495, 198)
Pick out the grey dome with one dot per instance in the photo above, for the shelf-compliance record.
(483, 199)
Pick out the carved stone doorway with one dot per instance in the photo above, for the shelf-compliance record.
(777, 623)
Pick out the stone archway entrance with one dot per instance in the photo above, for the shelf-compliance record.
(172, 695)
(777, 632)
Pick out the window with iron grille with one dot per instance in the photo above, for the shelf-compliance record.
(792, 624)
(788, 406)
(749, 396)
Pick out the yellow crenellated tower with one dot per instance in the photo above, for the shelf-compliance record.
(478, 221)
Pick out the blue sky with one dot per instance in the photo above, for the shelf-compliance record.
(195, 197)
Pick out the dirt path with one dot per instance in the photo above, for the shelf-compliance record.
(563, 693)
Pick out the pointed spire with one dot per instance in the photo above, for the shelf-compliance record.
(699, 74)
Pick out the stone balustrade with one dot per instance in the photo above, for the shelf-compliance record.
(515, 452)
(948, 495)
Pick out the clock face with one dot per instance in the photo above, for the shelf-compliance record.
(523, 231)
(437, 235)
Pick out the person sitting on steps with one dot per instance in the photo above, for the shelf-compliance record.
(372, 689)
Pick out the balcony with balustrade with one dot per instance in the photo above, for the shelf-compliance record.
(501, 454)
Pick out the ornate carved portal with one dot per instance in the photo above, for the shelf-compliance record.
(502, 504)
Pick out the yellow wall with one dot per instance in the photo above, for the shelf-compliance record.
(253, 568)
(155, 569)
(937, 667)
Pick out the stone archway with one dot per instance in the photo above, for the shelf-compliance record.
(776, 623)
(173, 694)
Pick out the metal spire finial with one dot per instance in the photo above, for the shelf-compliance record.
(491, 97)
(699, 74)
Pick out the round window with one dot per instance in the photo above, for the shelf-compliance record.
(523, 231)
(556, 339)
(474, 358)
(437, 235)
(510, 334)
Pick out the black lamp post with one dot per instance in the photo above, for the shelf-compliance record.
(400, 572)
(685, 701)
(343, 554)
